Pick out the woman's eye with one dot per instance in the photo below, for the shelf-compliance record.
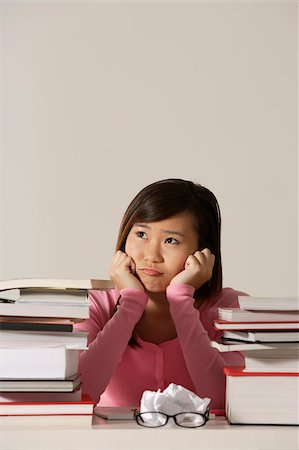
(141, 234)
(171, 241)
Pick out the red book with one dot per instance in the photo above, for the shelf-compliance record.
(261, 397)
(238, 371)
(84, 406)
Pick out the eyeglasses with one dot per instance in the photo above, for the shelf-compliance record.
(153, 419)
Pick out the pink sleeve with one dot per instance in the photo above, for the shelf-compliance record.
(205, 364)
(108, 341)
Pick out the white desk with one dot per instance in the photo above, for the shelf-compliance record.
(33, 433)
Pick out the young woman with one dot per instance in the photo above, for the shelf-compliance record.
(155, 327)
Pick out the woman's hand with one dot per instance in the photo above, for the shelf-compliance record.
(198, 269)
(122, 272)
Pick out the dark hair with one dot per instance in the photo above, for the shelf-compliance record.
(166, 198)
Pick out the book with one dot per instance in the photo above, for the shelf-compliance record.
(262, 357)
(269, 303)
(74, 396)
(261, 398)
(274, 360)
(84, 406)
(69, 384)
(78, 297)
(244, 346)
(71, 421)
(45, 338)
(29, 325)
(72, 297)
(44, 310)
(240, 315)
(56, 283)
(236, 325)
(262, 336)
(116, 412)
(38, 362)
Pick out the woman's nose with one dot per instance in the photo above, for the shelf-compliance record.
(153, 253)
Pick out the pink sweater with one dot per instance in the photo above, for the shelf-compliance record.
(117, 373)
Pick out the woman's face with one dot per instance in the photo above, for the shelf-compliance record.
(160, 249)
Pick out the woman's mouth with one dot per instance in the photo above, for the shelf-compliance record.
(151, 272)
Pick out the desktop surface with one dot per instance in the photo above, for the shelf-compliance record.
(29, 433)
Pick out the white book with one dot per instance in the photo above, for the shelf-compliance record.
(79, 297)
(38, 363)
(261, 357)
(74, 396)
(55, 283)
(246, 346)
(269, 399)
(240, 315)
(269, 303)
(44, 310)
(262, 336)
(70, 340)
(239, 325)
(47, 385)
(83, 406)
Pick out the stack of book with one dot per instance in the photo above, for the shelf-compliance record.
(39, 351)
(266, 331)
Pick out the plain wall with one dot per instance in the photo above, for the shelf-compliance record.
(102, 98)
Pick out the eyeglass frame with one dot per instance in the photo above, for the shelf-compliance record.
(205, 416)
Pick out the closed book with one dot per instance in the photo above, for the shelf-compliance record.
(262, 336)
(75, 340)
(274, 360)
(279, 347)
(245, 325)
(71, 421)
(28, 397)
(268, 303)
(240, 315)
(29, 325)
(116, 412)
(77, 297)
(261, 398)
(84, 406)
(38, 362)
(55, 283)
(44, 310)
(265, 357)
(69, 384)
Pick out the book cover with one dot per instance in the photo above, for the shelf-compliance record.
(115, 412)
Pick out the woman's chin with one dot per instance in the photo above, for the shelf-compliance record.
(155, 289)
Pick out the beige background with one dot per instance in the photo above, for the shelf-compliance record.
(99, 99)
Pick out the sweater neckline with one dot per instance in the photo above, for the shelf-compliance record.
(144, 343)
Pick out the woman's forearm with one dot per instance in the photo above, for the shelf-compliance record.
(98, 363)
